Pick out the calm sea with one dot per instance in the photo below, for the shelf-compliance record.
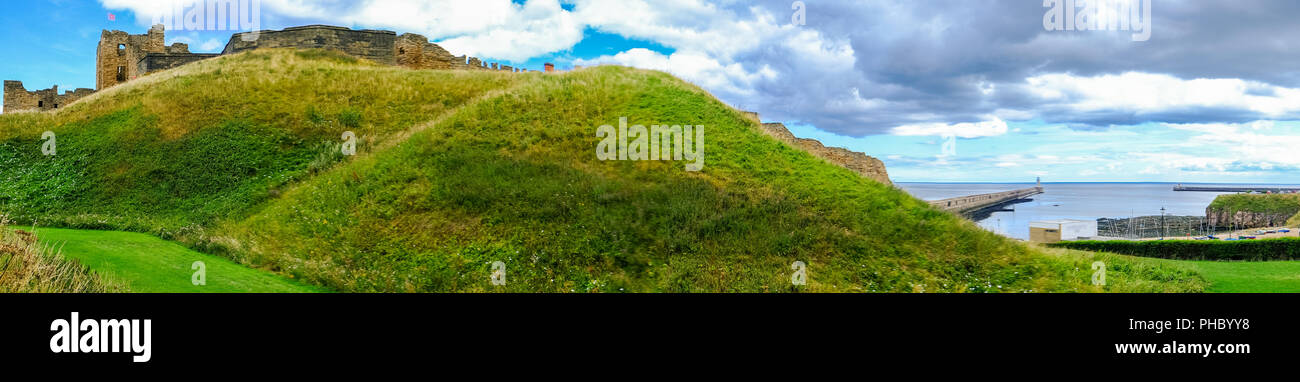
(1083, 201)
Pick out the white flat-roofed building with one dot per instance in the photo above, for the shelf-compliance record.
(1051, 231)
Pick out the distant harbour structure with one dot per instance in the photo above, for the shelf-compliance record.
(974, 204)
(1238, 189)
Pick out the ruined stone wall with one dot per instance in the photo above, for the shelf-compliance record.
(385, 47)
(858, 162)
(374, 45)
(416, 52)
(17, 98)
(154, 62)
(178, 48)
(119, 53)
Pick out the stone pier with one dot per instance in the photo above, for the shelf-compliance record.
(975, 203)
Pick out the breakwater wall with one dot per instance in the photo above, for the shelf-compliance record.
(972, 203)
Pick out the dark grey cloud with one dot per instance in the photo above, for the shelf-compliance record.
(930, 60)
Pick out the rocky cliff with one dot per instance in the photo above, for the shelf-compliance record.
(1252, 211)
(1246, 219)
(858, 162)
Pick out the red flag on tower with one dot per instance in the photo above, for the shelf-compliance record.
(111, 17)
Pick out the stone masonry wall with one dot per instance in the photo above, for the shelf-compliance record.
(374, 45)
(858, 162)
(385, 47)
(162, 61)
(416, 52)
(17, 98)
(119, 52)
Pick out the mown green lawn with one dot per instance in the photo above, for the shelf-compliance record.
(1250, 277)
(151, 265)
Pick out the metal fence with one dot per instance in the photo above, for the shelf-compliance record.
(1156, 226)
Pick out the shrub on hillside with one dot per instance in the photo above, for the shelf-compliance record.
(1244, 250)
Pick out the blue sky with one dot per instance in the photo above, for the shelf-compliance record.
(52, 42)
(1212, 95)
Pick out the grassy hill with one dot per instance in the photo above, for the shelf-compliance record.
(237, 157)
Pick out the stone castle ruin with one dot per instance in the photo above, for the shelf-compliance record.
(122, 57)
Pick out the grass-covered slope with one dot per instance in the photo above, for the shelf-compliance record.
(468, 168)
(177, 150)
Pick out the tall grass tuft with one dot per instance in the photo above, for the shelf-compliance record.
(28, 267)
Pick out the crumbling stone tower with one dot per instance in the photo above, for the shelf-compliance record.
(119, 52)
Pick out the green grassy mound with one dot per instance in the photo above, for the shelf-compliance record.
(235, 157)
(176, 151)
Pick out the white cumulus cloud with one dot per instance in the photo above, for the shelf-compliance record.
(990, 128)
(1151, 93)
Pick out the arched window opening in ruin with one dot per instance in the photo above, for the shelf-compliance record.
(401, 50)
(56, 106)
(121, 73)
(121, 49)
(40, 103)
